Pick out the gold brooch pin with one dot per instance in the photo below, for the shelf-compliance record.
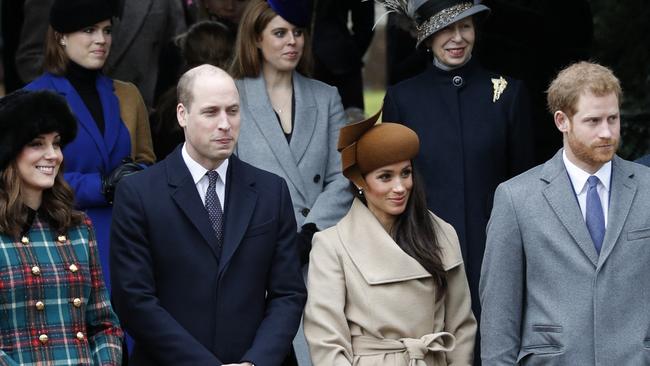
(499, 85)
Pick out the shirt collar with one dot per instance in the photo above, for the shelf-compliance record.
(198, 171)
(579, 177)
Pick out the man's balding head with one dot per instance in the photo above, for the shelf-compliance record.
(186, 82)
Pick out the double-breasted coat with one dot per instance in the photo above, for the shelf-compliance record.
(54, 307)
(92, 155)
(473, 138)
(309, 163)
(370, 303)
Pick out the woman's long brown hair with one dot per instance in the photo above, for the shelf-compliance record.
(57, 203)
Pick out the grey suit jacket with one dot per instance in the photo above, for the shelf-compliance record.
(310, 163)
(146, 25)
(548, 298)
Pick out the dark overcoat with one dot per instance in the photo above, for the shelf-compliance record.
(470, 141)
(187, 302)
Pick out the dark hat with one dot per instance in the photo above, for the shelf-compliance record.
(431, 16)
(26, 114)
(434, 15)
(296, 12)
(368, 145)
(67, 16)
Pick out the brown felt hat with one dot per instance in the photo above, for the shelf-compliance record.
(368, 145)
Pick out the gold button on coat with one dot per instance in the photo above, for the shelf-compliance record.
(76, 302)
(40, 305)
(43, 338)
(73, 268)
(36, 271)
(24, 240)
(80, 336)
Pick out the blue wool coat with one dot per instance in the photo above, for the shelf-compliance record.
(54, 305)
(92, 155)
(470, 142)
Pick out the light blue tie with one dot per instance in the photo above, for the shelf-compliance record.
(594, 217)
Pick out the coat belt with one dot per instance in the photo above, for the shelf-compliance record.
(416, 348)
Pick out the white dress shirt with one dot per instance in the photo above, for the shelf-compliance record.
(201, 179)
(579, 181)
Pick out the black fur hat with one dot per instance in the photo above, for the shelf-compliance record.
(67, 16)
(26, 114)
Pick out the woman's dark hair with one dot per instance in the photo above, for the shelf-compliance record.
(207, 42)
(415, 232)
(56, 203)
(55, 61)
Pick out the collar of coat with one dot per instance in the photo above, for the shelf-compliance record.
(376, 255)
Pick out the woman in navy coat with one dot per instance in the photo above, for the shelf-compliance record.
(475, 125)
(112, 118)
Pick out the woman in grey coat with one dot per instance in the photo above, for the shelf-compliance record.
(291, 122)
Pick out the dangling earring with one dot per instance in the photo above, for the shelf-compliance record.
(360, 191)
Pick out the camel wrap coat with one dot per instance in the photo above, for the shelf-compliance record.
(370, 303)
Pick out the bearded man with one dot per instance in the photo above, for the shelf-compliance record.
(564, 277)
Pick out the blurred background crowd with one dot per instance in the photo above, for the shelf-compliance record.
(529, 40)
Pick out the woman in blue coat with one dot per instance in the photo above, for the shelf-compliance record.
(114, 138)
(475, 125)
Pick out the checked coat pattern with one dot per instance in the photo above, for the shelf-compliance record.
(54, 306)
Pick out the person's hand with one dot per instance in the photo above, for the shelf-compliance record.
(110, 181)
(303, 241)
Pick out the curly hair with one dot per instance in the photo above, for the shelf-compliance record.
(57, 203)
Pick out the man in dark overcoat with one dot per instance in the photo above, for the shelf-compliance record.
(204, 265)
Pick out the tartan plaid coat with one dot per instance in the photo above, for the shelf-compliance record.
(54, 306)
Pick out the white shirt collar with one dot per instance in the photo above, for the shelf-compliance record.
(579, 177)
(198, 171)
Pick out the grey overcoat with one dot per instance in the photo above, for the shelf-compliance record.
(548, 298)
(310, 163)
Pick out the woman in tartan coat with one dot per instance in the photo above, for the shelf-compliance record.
(54, 307)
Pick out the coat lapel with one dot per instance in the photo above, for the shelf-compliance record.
(371, 248)
(560, 196)
(305, 118)
(241, 199)
(623, 188)
(111, 109)
(85, 119)
(264, 118)
(188, 200)
(126, 29)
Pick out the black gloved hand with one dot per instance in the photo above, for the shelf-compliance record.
(303, 241)
(109, 182)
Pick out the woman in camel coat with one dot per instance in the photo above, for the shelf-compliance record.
(372, 301)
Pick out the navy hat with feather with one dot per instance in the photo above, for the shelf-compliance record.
(26, 114)
(296, 12)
